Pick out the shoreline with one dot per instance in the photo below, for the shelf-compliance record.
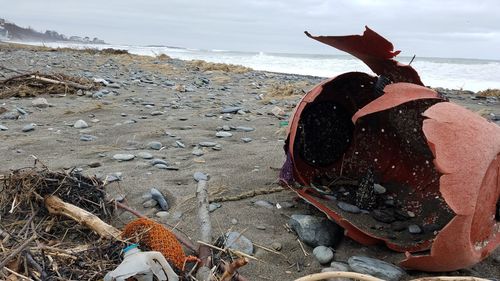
(467, 74)
(179, 104)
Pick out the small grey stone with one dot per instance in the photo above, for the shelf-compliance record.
(207, 144)
(223, 134)
(145, 155)
(316, 231)
(161, 166)
(177, 215)
(87, 138)
(123, 157)
(237, 241)
(246, 140)
(264, 203)
(376, 268)
(156, 113)
(40, 103)
(156, 145)
(146, 196)
(379, 189)
(160, 198)
(234, 221)
(80, 124)
(232, 109)
(197, 152)
(114, 177)
(158, 161)
(414, 229)
(348, 207)
(244, 129)
(162, 214)
(29, 127)
(276, 246)
(198, 176)
(337, 266)
(213, 206)
(22, 111)
(180, 144)
(323, 254)
(217, 147)
(3, 128)
(226, 128)
(150, 203)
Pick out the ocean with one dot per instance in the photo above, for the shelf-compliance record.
(452, 73)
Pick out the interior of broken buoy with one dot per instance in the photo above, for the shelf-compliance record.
(376, 173)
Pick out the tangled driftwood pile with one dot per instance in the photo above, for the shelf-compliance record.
(34, 84)
(44, 247)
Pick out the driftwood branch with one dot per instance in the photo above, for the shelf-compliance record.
(204, 252)
(66, 83)
(58, 207)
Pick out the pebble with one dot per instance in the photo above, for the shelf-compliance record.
(156, 113)
(348, 207)
(239, 242)
(223, 134)
(245, 129)
(156, 145)
(157, 161)
(246, 140)
(379, 189)
(123, 157)
(226, 128)
(337, 266)
(197, 152)
(80, 124)
(180, 144)
(40, 103)
(29, 127)
(316, 231)
(375, 267)
(145, 155)
(162, 214)
(264, 203)
(231, 109)
(213, 206)
(150, 203)
(207, 144)
(161, 166)
(414, 229)
(87, 138)
(198, 176)
(276, 246)
(323, 254)
(3, 128)
(260, 227)
(160, 198)
(114, 177)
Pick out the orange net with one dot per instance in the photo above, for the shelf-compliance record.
(154, 236)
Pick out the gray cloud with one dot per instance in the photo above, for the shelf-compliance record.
(442, 28)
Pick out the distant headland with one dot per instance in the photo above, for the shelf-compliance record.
(11, 32)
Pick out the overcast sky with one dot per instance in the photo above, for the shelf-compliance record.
(436, 28)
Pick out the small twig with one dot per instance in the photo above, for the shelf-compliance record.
(247, 195)
(231, 268)
(17, 274)
(34, 264)
(412, 59)
(269, 250)
(17, 251)
(302, 247)
(238, 253)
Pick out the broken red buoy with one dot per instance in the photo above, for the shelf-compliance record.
(393, 161)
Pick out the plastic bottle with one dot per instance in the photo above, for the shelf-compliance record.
(142, 266)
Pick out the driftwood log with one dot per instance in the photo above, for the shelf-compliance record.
(57, 206)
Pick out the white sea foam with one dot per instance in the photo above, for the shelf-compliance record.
(467, 74)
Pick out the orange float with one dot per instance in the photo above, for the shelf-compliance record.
(438, 163)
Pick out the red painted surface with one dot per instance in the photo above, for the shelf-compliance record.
(462, 166)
